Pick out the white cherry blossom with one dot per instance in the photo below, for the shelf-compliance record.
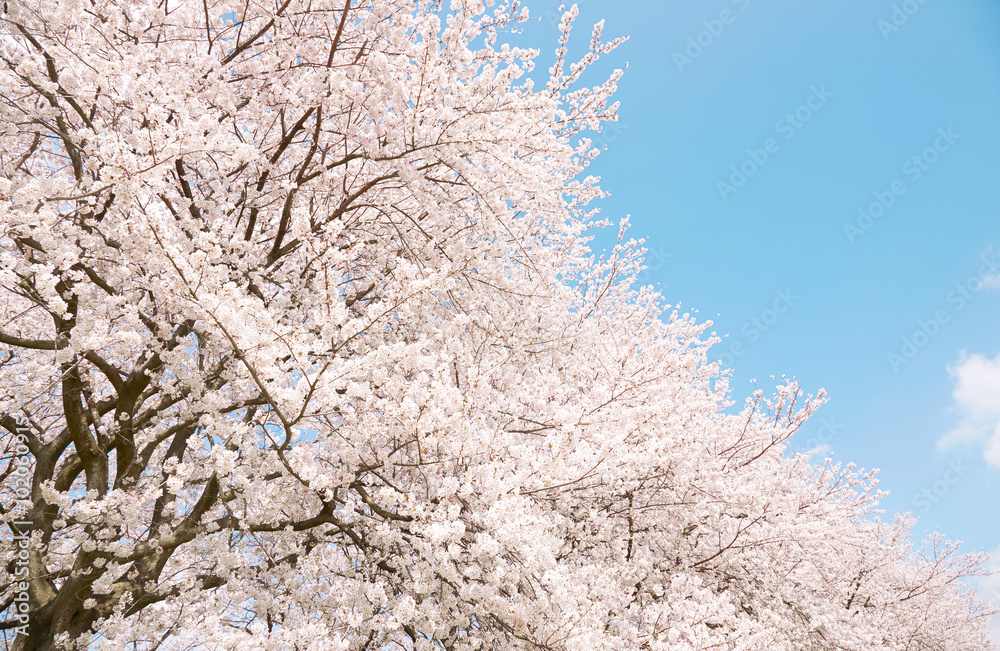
(297, 302)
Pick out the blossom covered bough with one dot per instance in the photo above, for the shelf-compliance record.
(297, 305)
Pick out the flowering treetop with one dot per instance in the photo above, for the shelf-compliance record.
(298, 308)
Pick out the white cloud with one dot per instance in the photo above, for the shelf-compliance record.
(977, 398)
(819, 451)
(991, 282)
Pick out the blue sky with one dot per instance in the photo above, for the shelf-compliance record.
(840, 98)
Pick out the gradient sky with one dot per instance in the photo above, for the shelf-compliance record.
(841, 99)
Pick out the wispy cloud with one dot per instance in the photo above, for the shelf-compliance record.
(818, 452)
(991, 282)
(977, 398)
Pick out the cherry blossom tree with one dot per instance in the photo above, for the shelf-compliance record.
(304, 348)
